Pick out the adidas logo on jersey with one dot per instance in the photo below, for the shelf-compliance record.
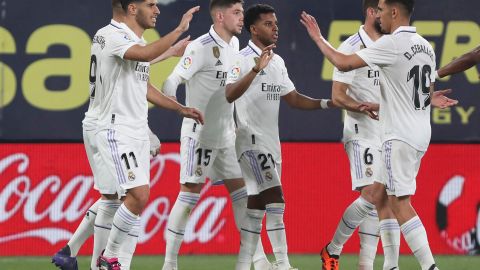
(219, 63)
(262, 73)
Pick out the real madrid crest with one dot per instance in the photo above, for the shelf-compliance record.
(131, 176)
(369, 172)
(268, 176)
(198, 171)
(256, 59)
(216, 52)
(362, 47)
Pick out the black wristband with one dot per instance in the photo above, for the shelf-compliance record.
(255, 70)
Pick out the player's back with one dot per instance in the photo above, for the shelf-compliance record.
(123, 85)
(406, 89)
(204, 67)
(98, 43)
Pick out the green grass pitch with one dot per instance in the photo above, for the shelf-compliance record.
(303, 262)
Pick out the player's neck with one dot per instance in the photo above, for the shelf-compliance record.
(134, 26)
(257, 43)
(372, 33)
(223, 33)
(399, 23)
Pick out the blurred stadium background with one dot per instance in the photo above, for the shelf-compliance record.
(46, 183)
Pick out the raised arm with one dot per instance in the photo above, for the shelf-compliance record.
(176, 50)
(341, 61)
(235, 90)
(460, 64)
(151, 51)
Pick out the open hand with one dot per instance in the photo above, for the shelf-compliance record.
(311, 25)
(187, 18)
(439, 99)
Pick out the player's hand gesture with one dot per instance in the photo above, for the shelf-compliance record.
(265, 57)
(192, 113)
(439, 99)
(311, 25)
(187, 18)
(179, 48)
(371, 109)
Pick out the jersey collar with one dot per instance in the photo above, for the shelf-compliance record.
(217, 39)
(364, 38)
(116, 24)
(407, 29)
(254, 48)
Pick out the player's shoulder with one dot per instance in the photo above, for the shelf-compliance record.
(352, 43)
(247, 52)
(203, 41)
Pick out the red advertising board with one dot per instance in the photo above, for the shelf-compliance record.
(45, 190)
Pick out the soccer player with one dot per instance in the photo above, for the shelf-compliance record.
(460, 64)
(209, 150)
(122, 65)
(406, 64)
(256, 81)
(361, 137)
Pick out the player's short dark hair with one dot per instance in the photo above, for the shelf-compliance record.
(125, 3)
(407, 4)
(252, 15)
(116, 3)
(223, 3)
(369, 4)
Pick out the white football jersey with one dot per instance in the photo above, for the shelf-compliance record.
(123, 84)
(98, 43)
(407, 69)
(204, 66)
(363, 85)
(257, 109)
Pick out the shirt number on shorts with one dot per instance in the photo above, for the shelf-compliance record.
(415, 74)
(368, 157)
(207, 154)
(125, 159)
(263, 161)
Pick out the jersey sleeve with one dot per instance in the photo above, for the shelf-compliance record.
(287, 85)
(344, 77)
(237, 70)
(119, 42)
(190, 63)
(382, 53)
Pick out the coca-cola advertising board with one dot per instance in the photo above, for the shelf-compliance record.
(45, 190)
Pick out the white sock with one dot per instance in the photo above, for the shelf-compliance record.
(369, 233)
(123, 222)
(276, 233)
(128, 247)
(352, 217)
(84, 230)
(390, 234)
(103, 224)
(250, 235)
(177, 221)
(416, 238)
(239, 204)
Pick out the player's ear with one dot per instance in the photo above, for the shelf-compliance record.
(132, 8)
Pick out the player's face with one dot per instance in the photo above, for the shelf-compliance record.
(233, 19)
(266, 29)
(384, 16)
(147, 12)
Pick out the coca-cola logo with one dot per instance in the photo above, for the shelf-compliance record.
(70, 199)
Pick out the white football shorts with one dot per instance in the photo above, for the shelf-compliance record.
(365, 163)
(199, 162)
(260, 171)
(93, 155)
(126, 162)
(401, 163)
